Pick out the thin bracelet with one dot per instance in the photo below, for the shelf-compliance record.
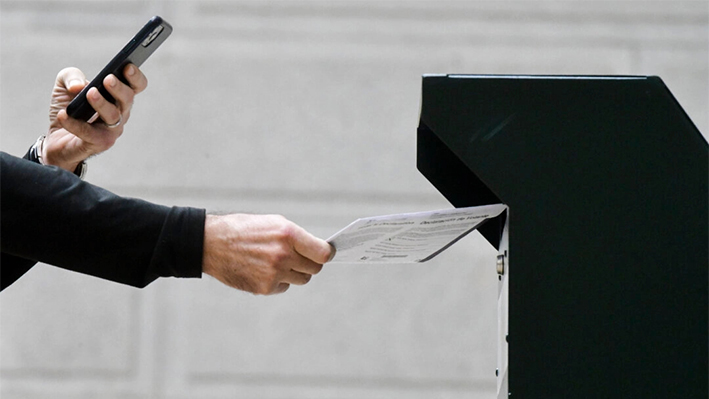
(38, 148)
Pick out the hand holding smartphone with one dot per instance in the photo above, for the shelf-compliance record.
(143, 44)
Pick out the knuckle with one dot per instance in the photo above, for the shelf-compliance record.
(264, 285)
(279, 255)
(263, 289)
(110, 141)
(285, 231)
(112, 117)
(66, 72)
(129, 96)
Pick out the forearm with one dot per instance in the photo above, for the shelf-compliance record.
(51, 216)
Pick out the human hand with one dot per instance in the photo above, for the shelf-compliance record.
(71, 141)
(261, 254)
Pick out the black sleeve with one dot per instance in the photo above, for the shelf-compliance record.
(52, 216)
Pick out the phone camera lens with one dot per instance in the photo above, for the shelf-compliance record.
(154, 34)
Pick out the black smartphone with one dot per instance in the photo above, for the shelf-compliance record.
(143, 44)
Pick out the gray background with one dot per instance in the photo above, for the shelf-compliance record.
(306, 109)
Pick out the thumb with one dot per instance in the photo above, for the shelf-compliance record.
(311, 247)
(72, 79)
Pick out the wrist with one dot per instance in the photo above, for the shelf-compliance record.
(210, 226)
(39, 153)
(48, 157)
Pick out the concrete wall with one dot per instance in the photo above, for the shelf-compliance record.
(307, 109)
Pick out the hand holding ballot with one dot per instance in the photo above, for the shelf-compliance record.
(261, 254)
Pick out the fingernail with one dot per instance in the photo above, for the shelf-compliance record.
(74, 82)
(112, 81)
(94, 94)
(130, 71)
(333, 251)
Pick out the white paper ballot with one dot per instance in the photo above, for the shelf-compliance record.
(407, 237)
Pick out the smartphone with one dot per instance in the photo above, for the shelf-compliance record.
(143, 44)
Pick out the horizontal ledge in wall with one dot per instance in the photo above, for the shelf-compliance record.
(69, 374)
(342, 382)
(267, 194)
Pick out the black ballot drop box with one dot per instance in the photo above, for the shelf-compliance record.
(603, 248)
